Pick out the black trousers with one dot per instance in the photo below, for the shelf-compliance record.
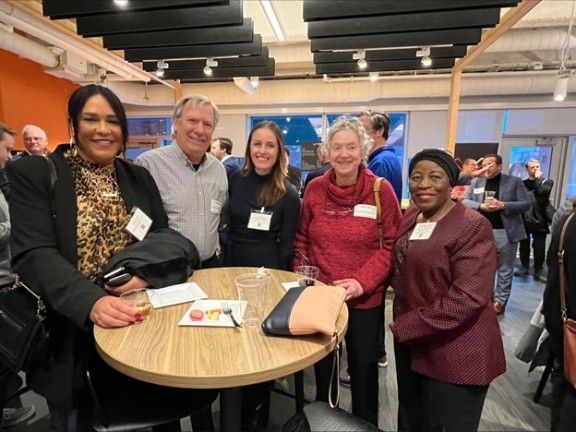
(362, 347)
(563, 416)
(432, 405)
(539, 247)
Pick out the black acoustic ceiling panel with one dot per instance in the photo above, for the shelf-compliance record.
(195, 51)
(187, 32)
(141, 21)
(392, 35)
(57, 9)
(184, 33)
(194, 36)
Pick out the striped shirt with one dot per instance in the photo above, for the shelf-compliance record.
(193, 199)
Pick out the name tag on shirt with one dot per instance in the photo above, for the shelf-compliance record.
(365, 211)
(139, 224)
(479, 190)
(260, 220)
(215, 206)
(423, 231)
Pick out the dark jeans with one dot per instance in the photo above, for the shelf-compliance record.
(539, 247)
(432, 405)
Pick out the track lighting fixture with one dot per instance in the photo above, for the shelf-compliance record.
(210, 63)
(361, 57)
(561, 87)
(161, 65)
(424, 54)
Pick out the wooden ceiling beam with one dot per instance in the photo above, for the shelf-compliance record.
(488, 38)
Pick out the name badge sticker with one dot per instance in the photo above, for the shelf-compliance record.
(365, 211)
(215, 206)
(139, 224)
(423, 231)
(479, 190)
(260, 220)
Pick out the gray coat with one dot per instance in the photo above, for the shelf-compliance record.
(516, 201)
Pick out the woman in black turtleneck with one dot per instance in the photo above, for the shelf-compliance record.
(264, 207)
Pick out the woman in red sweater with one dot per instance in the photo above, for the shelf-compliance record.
(338, 232)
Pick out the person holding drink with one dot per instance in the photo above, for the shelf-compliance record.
(447, 339)
(69, 213)
(502, 199)
(338, 232)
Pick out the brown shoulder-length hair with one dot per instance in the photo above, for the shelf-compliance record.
(274, 187)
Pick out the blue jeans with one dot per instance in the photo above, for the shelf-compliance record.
(506, 257)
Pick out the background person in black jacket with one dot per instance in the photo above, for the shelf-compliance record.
(563, 415)
(536, 221)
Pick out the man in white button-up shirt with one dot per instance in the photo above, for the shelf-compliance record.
(192, 182)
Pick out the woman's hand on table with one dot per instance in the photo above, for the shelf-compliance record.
(110, 311)
(352, 287)
(134, 283)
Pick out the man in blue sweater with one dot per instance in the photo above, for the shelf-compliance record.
(382, 161)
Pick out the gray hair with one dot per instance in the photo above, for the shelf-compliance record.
(31, 126)
(353, 124)
(196, 100)
(532, 160)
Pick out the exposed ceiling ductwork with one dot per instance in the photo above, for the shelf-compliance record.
(37, 28)
(26, 48)
(314, 91)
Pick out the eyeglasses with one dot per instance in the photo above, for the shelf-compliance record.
(332, 210)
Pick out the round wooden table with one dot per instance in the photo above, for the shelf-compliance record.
(159, 351)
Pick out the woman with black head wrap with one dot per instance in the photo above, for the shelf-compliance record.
(447, 339)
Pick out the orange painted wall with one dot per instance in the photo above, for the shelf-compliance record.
(30, 96)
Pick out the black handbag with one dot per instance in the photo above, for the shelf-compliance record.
(24, 330)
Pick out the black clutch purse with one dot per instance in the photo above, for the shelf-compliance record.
(25, 335)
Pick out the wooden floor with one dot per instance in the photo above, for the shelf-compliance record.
(508, 407)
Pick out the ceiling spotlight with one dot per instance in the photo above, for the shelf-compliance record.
(426, 61)
(210, 63)
(424, 54)
(255, 81)
(373, 76)
(561, 87)
(121, 3)
(361, 57)
(161, 65)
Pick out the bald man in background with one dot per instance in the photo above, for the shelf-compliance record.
(35, 141)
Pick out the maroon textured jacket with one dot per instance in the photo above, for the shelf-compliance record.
(345, 246)
(443, 305)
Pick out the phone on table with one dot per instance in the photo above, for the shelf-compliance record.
(117, 277)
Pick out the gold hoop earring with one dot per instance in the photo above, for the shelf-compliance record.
(73, 147)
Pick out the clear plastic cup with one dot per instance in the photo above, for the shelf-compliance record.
(139, 300)
(252, 288)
